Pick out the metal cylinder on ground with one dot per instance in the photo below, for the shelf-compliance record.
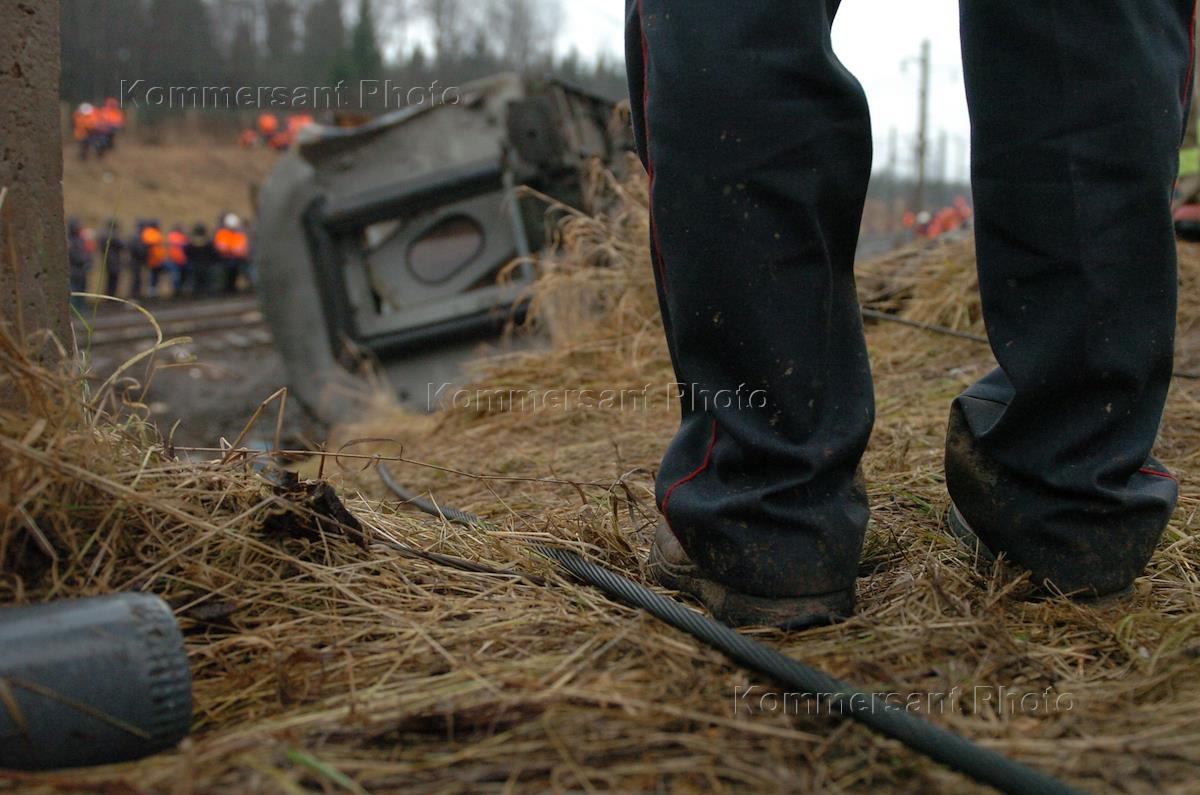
(91, 681)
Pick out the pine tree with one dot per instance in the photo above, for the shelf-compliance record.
(366, 61)
(324, 41)
(243, 55)
(281, 42)
(178, 46)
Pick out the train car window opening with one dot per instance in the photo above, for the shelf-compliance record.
(444, 249)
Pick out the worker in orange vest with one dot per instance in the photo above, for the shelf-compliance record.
(268, 125)
(110, 121)
(233, 249)
(85, 121)
(157, 261)
(181, 271)
(297, 122)
(287, 136)
(963, 207)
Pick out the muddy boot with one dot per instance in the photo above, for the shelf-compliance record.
(755, 208)
(984, 558)
(1048, 456)
(670, 566)
(1080, 543)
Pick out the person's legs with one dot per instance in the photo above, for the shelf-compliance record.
(1077, 110)
(757, 143)
(78, 284)
(112, 272)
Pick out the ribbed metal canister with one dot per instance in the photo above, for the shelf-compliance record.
(91, 681)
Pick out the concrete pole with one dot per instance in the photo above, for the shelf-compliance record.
(892, 176)
(1195, 87)
(33, 253)
(922, 128)
(1193, 136)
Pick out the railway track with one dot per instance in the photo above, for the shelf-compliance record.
(211, 323)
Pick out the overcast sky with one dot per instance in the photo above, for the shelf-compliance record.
(873, 39)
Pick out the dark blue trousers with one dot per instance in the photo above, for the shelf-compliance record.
(757, 142)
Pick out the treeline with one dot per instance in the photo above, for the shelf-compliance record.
(309, 43)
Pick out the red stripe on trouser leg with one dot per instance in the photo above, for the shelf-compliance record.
(657, 253)
(694, 473)
(1191, 70)
(1157, 474)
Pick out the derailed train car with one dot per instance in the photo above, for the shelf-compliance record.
(385, 241)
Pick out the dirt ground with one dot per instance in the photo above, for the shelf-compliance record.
(213, 393)
(208, 388)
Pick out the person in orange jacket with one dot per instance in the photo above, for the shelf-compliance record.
(181, 267)
(233, 248)
(298, 121)
(110, 121)
(155, 245)
(268, 125)
(288, 135)
(86, 123)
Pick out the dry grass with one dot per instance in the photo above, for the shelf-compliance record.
(324, 666)
(180, 182)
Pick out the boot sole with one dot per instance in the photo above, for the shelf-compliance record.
(739, 609)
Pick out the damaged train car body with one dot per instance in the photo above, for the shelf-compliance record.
(386, 242)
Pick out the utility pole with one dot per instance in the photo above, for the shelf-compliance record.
(1193, 136)
(943, 155)
(922, 127)
(962, 165)
(890, 197)
(33, 247)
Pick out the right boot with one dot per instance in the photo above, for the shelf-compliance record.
(670, 566)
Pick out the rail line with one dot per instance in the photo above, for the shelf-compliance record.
(236, 322)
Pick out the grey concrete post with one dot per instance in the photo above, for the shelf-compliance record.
(33, 256)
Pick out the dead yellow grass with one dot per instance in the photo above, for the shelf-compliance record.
(323, 665)
(175, 182)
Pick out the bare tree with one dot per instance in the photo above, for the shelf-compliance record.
(452, 27)
(391, 20)
(525, 30)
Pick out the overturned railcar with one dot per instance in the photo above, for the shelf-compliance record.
(384, 242)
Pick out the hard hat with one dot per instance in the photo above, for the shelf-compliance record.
(86, 108)
(924, 217)
(232, 221)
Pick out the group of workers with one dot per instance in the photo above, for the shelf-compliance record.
(269, 131)
(196, 263)
(932, 225)
(97, 126)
